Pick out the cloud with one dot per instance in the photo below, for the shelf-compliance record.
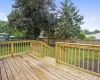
(3, 16)
(93, 18)
(91, 23)
(90, 18)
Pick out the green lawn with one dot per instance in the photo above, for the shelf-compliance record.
(5, 51)
(72, 53)
(17, 49)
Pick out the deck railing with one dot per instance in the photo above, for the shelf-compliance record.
(81, 56)
(40, 48)
(12, 48)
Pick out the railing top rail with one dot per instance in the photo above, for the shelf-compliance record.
(78, 44)
(36, 41)
(18, 46)
(47, 45)
(14, 41)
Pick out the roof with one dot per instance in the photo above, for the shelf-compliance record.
(97, 35)
(4, 34)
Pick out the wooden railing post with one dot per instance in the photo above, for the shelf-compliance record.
(64, 54)
(12, 48)
(42, 48)
(57, 55)
(99, 61)
(31, 46)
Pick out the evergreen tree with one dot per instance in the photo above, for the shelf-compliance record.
(69, 22)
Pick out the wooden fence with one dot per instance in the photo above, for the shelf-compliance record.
(52, 41)
(81, 56)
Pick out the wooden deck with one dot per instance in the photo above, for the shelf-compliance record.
(29, 67)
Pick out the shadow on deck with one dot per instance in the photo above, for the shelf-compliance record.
(29, 67)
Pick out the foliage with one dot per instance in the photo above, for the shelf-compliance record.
(49, 33)
(86, 31)
(90, 38)
(81, 35)
(69, 22)
(18, 33)
(32, 16)
(96, 31)
(4, 27)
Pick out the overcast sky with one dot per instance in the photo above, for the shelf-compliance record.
(90, 9)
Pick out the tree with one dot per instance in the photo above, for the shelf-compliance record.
(90, 38)
(49, 32)
(91, 32)
(96, 31)
(81, 35)
(32, 16)
(4, 27)
(69, 22)
(86, 31)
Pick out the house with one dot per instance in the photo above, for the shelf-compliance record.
(97, 35)
(4, 37)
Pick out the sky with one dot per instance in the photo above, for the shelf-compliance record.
(90, 9)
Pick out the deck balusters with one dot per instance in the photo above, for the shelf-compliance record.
(93, 60)
(78, 56)
(75, 57)
(68, 54)
(88, 60)
(83, 58)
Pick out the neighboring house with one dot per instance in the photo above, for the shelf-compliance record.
(12, 38)
(41, 35)
(97, 35)
(4, 36)
(7, 37)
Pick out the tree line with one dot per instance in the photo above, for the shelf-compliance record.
(30, 18)
(86, 31)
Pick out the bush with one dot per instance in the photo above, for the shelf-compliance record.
(82, 35)
(90, 38)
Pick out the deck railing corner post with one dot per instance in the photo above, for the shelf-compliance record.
(42, 48)
(99, 61)
(56, 53)
(31, 46)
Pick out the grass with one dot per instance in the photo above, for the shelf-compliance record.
(54, 51)
(72, 53)
(79, 60)
(5, 50)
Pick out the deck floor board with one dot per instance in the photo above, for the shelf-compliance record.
(30, 67)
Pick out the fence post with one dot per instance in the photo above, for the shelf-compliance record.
(12, 48)
(31, 46)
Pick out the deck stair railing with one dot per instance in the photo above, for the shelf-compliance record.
(80, 56)
(41, 49)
